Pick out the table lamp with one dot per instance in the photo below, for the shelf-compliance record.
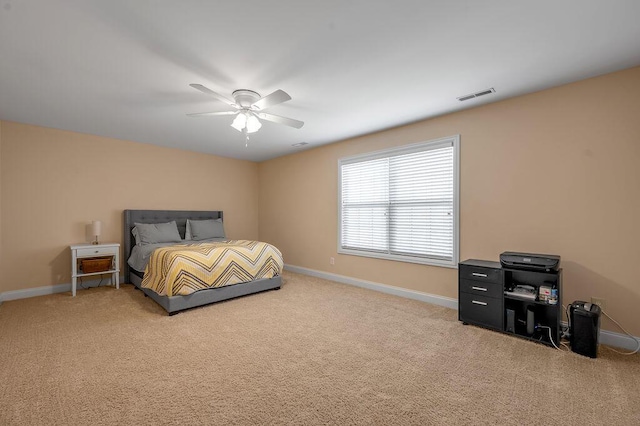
(96, 228)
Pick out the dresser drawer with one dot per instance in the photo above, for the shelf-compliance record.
(97, 251)
(487, 289)
(481, 310)
(478, 273)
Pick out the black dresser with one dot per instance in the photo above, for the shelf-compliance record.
(481, 288)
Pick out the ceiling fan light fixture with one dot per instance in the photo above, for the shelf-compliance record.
(253, 124)
(240, 122)
(246, 122)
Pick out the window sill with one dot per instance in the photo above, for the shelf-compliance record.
(407, 259)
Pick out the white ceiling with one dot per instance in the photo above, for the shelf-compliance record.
(122, 68)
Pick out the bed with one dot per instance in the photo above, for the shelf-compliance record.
(176, 303)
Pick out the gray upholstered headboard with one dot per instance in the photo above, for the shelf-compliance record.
(158, 216)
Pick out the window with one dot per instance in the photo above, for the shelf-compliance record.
(402, 203)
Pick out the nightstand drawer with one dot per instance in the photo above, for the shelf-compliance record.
(96, 251)
(487, 289)
(480, 310)
(478, 273)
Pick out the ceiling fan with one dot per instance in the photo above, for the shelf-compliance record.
(248, 107)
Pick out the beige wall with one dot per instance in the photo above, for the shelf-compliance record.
(55, 182)
(1, 271)
(552, 172)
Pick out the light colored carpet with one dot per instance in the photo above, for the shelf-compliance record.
(315, 352)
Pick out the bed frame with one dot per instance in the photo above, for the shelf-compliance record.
(174, 304)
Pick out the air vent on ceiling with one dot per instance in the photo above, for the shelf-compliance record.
(478, 94)
(300, 144)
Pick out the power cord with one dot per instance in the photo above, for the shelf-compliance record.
(550, 338)
(567, 333)
(628, 334)
(99, 284)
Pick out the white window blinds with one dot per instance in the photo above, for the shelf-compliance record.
(401, 203)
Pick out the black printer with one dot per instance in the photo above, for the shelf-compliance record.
(530, 261)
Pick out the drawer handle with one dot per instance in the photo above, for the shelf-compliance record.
(478, 288)
(479, 303)
(478, 274)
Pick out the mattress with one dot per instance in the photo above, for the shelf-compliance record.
(187, 268)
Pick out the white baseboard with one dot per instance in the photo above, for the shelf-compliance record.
(384, 288)
(35, 291)
(609, 338)
(45, 290)
(618, 340)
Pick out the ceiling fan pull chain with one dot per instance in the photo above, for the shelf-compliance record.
(246, 143)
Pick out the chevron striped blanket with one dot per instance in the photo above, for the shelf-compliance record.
(186, 268)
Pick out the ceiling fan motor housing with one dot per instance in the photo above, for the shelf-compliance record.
(245, 98)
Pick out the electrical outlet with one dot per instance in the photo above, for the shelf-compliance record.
(332, 261)
(598, 301)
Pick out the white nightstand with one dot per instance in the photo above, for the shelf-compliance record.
(84, 251)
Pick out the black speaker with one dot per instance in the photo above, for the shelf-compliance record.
(511, 321)
(585, 328)
(531, 325)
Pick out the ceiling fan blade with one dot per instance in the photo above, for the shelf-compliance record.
(275, 98)
(218, 96)
(206, 114)
(280, 120)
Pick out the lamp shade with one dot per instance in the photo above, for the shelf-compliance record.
(96, 228)
(246, 122)
(240, 122)
(253, 124)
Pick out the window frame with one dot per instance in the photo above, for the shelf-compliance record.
(453, 141)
